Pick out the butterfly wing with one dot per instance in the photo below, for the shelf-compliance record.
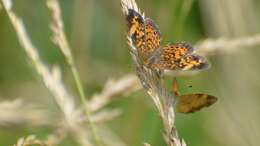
(193, 62)
(152, 38)
(178, 56)
(136, 29)
(147, 39)
(144, 33)
(190, 103)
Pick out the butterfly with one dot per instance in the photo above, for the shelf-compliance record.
(146, 37)
(190, 103)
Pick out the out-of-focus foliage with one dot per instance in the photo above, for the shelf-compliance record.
(96, 32)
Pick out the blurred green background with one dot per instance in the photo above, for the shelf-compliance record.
(96, 30)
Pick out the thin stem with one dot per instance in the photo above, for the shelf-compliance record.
(84, 100)
(60, 39)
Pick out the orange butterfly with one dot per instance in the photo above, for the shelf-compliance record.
(147, 39)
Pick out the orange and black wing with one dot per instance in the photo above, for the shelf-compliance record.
(136, 29)
(144, 33)
(178, 56)
(193, 62)
(152, 38)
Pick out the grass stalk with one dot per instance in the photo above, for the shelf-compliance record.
(60, 39)
(85, 101)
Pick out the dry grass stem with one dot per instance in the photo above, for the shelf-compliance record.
(152, 83)
(105, 115)
(113, 88)
(52, 140)
(56, 137)
(19, 112)
(51, 78)
(60, 39)
(225, 45)
(30, 141)
(110, 137)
